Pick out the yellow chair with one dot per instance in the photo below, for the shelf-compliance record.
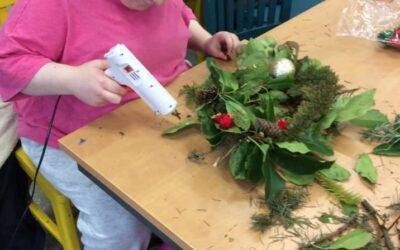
(64, 227)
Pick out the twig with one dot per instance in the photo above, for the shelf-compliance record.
(333, 234)
(394, 223)
(221, 159)
(374, 213)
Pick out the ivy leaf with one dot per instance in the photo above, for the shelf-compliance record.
(180, 126)
(371, 119)
(294, 147)
(298, 163)
(297, 179)
(388, 149)
(356, 106)
(336, 172)
(355, 239)
(316, 142)
(242, 116)
(366, 169)
(237, 160)
(274, 184)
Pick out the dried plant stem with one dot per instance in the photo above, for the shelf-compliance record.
(221, 159)
(374, 213)
(348, 223)
(394, 223)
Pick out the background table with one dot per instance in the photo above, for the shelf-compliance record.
(202, 207)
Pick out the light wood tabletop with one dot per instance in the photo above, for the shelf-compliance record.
(199, 206)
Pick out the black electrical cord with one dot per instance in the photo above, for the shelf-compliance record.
(9, 245)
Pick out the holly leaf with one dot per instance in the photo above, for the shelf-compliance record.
(336, 172)
(366, 169)
(388, 149)
(371, 119)
(355, 239)
(242, 116)
(274, 184)
(297, 179)
(298, 163)
(294, 147)
(237, 160)
(316, 142)
(356, 106)
(180, 126)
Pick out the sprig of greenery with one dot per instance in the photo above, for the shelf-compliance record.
(388, 133)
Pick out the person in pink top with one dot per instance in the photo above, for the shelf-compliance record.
(55, 47)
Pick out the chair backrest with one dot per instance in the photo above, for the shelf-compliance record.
(246, 18)
(4, 6)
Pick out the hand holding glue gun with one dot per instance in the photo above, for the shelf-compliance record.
(127, 70)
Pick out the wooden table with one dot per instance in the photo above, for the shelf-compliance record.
(202, 207)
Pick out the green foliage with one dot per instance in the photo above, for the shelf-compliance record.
(180, 126)
(257, 53)
(242, 116)
(212, 133)
(294, 147)
(274, 184)
(225, 80)
(349, 210)
(355, 239)
(388, 149)
(366, 169)
(262, 222)
(316, 142)
(297, 179)
(336, 173)
(371, 119)
(298, 163)
(338, 191)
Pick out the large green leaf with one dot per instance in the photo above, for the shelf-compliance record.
(212, 133)
(298, 163)
(256, 52)
(355, 239)
(225, 79)
(281, 83)
(267, 105)
(294, 147)
(371, 119)
(297, 179)
(336, 172)
(274, 184)
(388, 149)
(327, 120)
(253, 165)
(242, 116)
(316, 142)
(238, 158)
(357, 106)
(181, 125)
(278, 96)
(366, 169)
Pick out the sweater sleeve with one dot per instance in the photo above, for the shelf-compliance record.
(33, 36)
(187, 13)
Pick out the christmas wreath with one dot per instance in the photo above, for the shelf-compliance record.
(278, 113)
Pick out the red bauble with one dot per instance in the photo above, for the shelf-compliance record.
(225, 121)
(282, 124)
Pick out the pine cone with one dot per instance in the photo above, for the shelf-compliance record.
(207, 95)
(269, 129)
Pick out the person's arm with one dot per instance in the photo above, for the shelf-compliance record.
(87, 82)
(32, 41)
(220, 45)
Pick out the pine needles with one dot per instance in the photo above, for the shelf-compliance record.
(388, 133)
(337, 190)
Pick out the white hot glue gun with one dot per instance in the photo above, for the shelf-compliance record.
(126, 69)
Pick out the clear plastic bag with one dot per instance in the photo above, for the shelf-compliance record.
(377, 20)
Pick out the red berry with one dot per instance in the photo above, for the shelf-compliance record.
(225, 121)
(282, 124)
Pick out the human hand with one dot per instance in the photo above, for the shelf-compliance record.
(222, 45)
(93, 87)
